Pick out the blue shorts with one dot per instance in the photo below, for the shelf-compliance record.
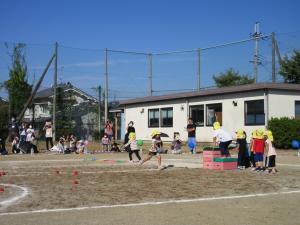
(259, 157)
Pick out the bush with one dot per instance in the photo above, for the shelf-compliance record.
(284, 131)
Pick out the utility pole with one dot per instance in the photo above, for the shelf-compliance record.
(150, 74)
(106, 86)
(273, 58)
(256, 36)
(99, 99)
(198, 84)
(54, 92)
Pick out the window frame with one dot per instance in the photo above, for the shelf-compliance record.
(255, 113)
(297, 102)
(206, 109)
(161, 116)
(153, 110)
(191, 116)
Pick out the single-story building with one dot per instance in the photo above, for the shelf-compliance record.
(246, 106)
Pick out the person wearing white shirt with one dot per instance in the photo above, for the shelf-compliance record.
(223, 138)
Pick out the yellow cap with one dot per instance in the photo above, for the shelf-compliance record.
(154, 133)
(131, 136)
(259, 133)
(216, 125)
(240, 134)
(269, 135)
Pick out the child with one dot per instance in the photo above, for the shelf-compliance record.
(176, 144)
(115, 148)
(223, 137)
(155, 149)
(258, 149)
(105, 142)
(80, 147)
(270, 152)
(243, 157)
(15, 145)
(133, 147)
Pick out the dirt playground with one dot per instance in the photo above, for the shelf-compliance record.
(75, 182)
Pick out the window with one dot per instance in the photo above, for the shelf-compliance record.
(197, 114)
(213, 114)
(166, 117)
(254, 112)
(297, 110)
(153, 118)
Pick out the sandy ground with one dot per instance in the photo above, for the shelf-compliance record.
(102, 182)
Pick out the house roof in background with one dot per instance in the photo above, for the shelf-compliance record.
(215, 91)
(48, 92)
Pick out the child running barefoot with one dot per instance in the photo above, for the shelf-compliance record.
(155, 149)
(270, 152)
(133, 147)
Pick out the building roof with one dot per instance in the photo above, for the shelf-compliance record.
(48, 92)
(215, 91)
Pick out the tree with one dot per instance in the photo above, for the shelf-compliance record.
(17, 86)
(290, 68)
(65, 111)
(232, 78)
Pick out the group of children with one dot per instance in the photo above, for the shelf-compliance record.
(24, 142)
(261, 154)
(70, 144)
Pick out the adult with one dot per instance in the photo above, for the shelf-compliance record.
(48, 134)
(129, 129)
(13, 129)
(108, 129)
(191, 129)
(223, 138)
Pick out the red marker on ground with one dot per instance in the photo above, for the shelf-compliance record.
(1, 189)
(75, 173)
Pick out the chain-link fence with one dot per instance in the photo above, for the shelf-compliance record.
(88, 72)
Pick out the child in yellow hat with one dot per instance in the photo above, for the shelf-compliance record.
(243, 156)
(270, 152)
(223, 138)
(133, 147)
(258, 149)
(155, 149)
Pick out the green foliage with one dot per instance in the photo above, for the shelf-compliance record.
(18, 88)
(290, 68)
(232, 78)
(3, 119)
(65, 122)
(284, 131)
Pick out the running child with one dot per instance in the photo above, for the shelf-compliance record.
(133, 147)
(155, 149)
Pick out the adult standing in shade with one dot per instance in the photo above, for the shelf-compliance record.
(129, 129)
(191, 129)
(48, 134)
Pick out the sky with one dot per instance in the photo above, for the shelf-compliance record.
(143, 26)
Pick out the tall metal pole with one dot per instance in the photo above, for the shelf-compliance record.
(198, 84)
(106, 86)
(150, 75)
(54, 92)
(273, 58)
(256, 36)
(99, 99)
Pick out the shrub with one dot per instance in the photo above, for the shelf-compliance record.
(284, 131)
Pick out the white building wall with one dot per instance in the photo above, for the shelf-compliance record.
(280, 104)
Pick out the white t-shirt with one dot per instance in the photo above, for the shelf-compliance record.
(271, 148)
(222, 135)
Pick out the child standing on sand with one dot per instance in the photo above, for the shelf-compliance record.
(270, 152)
